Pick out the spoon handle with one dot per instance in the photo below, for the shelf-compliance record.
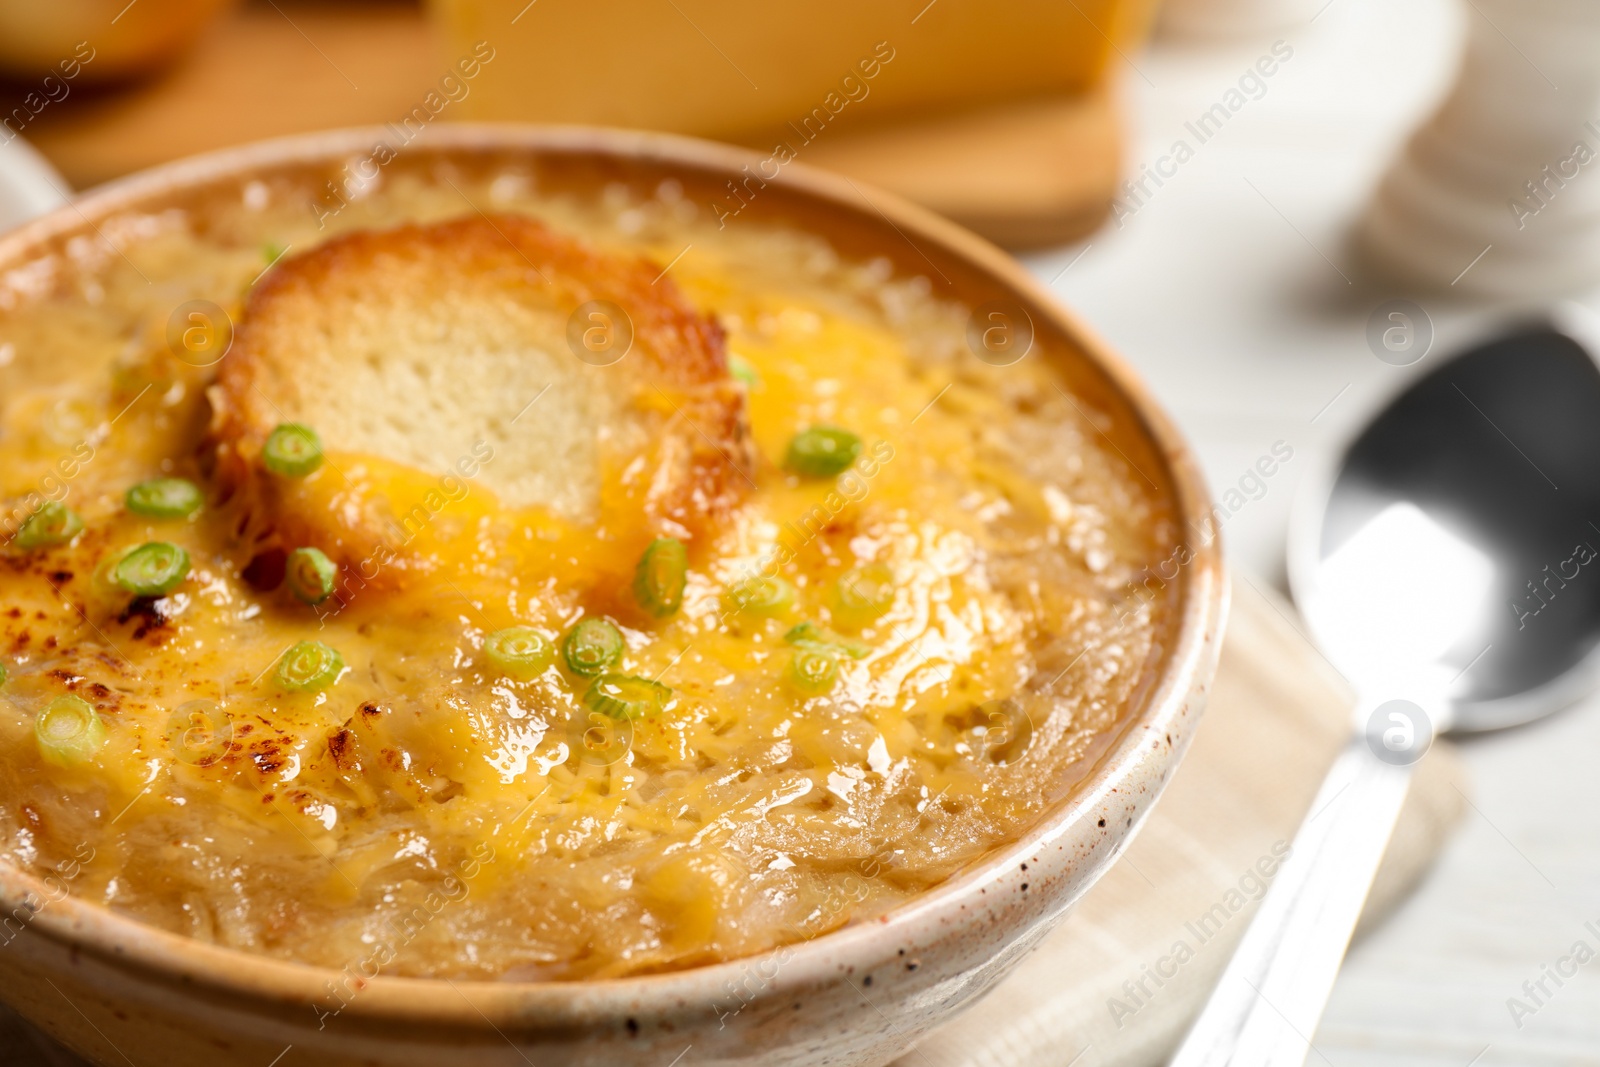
(1265, 1010)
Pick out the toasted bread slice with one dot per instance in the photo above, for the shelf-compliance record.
(425, 345)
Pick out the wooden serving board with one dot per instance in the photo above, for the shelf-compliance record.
(1028, 172)
(1277, 717)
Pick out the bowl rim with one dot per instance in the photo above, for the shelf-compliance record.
(99, 932)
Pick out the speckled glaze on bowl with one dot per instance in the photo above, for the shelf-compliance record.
(121, 993)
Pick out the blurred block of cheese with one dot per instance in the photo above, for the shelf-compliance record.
(731, 68)
(994, 113)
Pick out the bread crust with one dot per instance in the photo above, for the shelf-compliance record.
(675, 450)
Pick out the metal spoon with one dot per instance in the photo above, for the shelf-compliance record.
(1449, 566)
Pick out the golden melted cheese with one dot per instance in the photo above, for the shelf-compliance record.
(426, 815)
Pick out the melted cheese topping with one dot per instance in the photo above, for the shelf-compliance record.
(427, 815)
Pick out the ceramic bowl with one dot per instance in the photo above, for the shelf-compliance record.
(121, 993)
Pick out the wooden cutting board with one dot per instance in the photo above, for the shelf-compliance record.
(1030, 172)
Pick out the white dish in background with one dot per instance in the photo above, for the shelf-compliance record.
(29, 186)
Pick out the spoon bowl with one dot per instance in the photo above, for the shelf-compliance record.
(1455, 547)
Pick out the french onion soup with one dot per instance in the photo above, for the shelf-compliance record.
(490, 580)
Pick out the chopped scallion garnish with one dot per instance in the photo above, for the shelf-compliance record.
(760, 595)
(813, 670)
(626, 696)
(69, 731)
(310, 574)
(520, 651)
(822, 451)
(292, 450)
(741, 369)
(52, 524)
(592, 646)
(659, 578)
(153, 569)
(308, 667)
(165, 498)
(810, 635)
(103, 587)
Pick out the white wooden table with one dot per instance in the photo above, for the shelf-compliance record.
(1231, 288)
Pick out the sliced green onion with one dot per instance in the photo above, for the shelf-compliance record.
(822, 451)
(272, 251)
(309, 575)
(520, 651)
(864, 593)
(152, 569)
(308, 667)
(659, 578)
(52, 524)
(760, 595)
(2, 674)
(813, 671)
(810, 635)
(592, 646)
(69, 732)
(103, 587)
(104, 592)
(165, 498)
(292, 450)
(626, 696)
(741, 369)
